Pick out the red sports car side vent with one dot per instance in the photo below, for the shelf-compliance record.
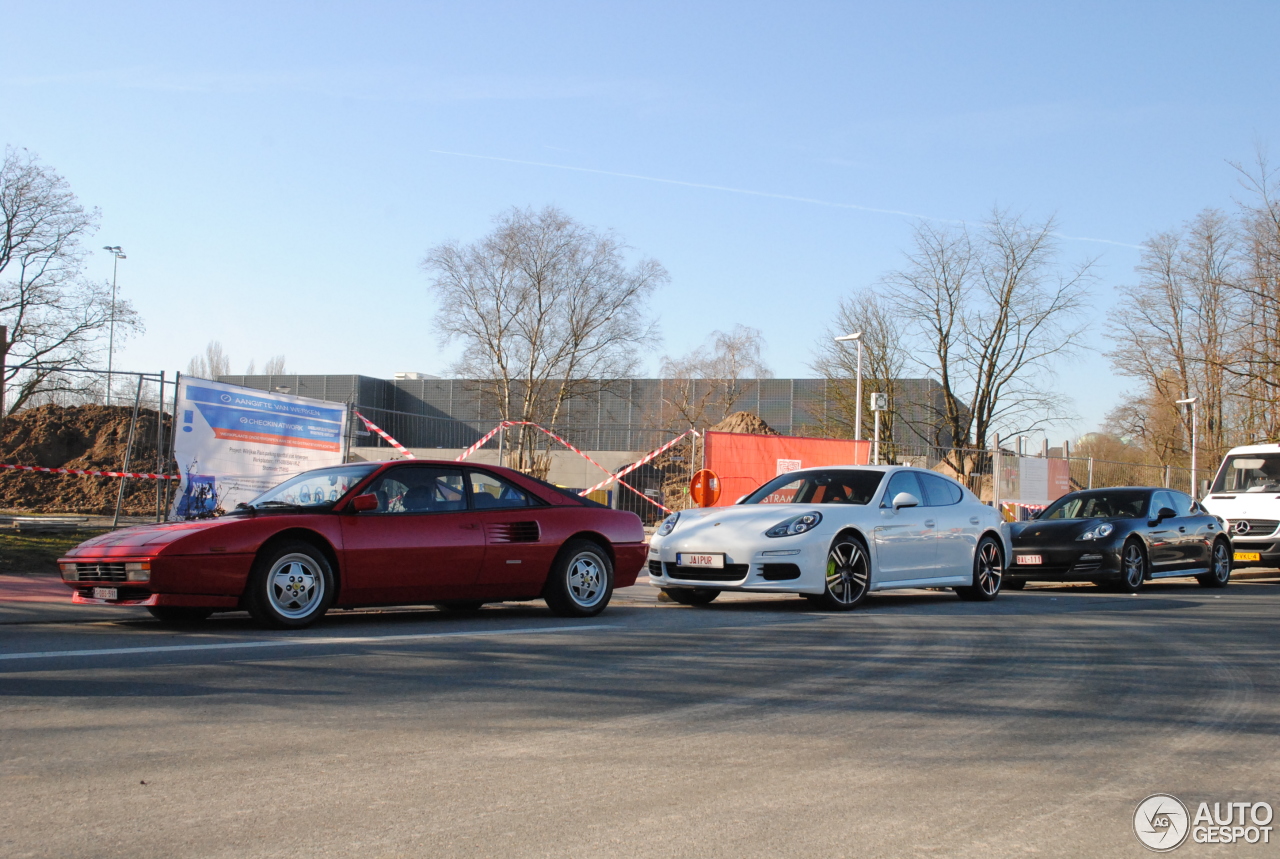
(513, 532)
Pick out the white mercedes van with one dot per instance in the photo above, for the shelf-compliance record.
(1246, 495)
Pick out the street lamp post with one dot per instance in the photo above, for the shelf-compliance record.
(856, 337)
(117, 254)
(1191, 401)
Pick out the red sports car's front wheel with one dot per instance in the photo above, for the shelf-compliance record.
(581, 580)
(291, 586)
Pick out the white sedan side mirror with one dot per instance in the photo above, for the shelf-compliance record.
(905, 499)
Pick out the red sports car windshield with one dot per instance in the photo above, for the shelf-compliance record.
(319, 489)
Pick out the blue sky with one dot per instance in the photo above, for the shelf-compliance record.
(275, 171)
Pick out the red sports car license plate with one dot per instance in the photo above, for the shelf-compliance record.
(1027, 560)
(716, 561)
(104, 593)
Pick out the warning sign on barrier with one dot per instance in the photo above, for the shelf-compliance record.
(704, 488)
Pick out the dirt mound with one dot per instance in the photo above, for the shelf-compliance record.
(85, 437)
(745, 422)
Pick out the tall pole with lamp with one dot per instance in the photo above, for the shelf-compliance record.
(117, 254)
(1191, 401)
(857, 338)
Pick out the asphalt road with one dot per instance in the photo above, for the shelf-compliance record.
(917, 725)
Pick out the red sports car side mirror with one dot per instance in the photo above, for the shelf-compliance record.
(364, 503)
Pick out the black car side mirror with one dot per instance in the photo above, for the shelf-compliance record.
(1166, 513)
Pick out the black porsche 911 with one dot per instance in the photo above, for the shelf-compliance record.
(1120, 537)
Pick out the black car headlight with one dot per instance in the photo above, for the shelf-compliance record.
(795, 525)
(668, 525)
(1098, 532)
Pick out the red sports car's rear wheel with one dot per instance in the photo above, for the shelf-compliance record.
(291, 586)
(581, 580)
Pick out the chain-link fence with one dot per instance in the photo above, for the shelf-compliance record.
(55, 453)
(132, 435)
(1089, 473)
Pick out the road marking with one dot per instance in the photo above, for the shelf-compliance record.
(300, 642)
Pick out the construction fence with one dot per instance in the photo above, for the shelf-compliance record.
(130, 437)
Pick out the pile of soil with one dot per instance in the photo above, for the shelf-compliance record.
(85, 437)
(745, 422)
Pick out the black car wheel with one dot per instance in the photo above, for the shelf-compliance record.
(1133, 567)
(692, 596)
(988, 572)
(1219, 567)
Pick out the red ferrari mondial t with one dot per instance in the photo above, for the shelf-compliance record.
(371, 533)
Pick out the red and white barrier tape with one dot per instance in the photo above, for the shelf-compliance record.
(612, 476)
(482, 441)
(138, 475)
(375, 428)
(644, 460)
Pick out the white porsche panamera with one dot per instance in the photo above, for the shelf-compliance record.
(834, 535)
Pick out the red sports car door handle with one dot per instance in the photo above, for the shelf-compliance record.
(470, 527)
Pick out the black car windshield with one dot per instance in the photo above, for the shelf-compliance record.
(1103, 504)
(828, 486)
(318, 489)
(1249, 472)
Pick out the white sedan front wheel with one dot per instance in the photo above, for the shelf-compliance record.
(848, 575)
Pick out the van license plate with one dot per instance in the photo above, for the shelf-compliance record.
(714, 561)
(105, 593)
(1027, 560)
(1248, 556)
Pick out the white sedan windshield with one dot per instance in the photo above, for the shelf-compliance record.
(834, 486)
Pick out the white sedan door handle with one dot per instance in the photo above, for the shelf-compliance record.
(930, 522)
(973, 520)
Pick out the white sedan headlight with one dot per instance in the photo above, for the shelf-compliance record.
(795, 525)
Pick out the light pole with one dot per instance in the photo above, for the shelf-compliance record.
(117, 254)
(856, 337)
(1191, 401)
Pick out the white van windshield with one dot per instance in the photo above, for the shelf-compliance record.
(1249, 472)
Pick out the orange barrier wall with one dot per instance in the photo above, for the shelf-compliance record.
(743, 462)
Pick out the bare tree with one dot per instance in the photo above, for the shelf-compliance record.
(991, 313)
(885, 361)
(213, 363)
(1174, 332)
(55, 316)
(703, 385)
(274, 366)
(1257, 362)
(546, 310)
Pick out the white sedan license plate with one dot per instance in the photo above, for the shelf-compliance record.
(104, 593)
(713, 561)
(1027, 560)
